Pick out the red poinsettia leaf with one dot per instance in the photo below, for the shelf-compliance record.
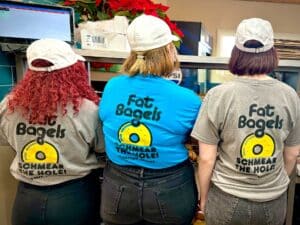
(106, 9)
(137, 5)
(151, 13)
(117, 5)
(161, 7)
(113, 5)
(69, 3)
(98, 2)
(174, 27)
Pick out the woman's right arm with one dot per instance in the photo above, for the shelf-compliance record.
(206, 163)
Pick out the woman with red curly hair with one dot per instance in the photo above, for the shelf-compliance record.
(51, 120)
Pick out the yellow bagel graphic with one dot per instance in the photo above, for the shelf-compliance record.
(36, 153)
(135, 133)
(258, 147)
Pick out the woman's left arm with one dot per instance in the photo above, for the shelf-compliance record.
(3, 108)
(290, 155)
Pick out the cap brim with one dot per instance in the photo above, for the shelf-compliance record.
(80, 58)
(175, 38)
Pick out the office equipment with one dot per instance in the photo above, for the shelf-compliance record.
(21, 23)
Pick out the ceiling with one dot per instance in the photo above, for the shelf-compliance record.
(277, 1)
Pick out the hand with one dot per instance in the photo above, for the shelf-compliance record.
(200, 215)
(202, 204)
(200, 212)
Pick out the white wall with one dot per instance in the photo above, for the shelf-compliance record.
(226, 14)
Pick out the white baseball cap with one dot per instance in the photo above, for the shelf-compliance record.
(254, 29)
(57, 52)
(148, 32)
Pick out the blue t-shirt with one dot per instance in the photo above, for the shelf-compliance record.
(146, 120)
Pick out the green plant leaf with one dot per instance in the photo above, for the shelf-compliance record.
(87, 1)
(161, 14)
(102, 16)
(123, 13)
(177, 43)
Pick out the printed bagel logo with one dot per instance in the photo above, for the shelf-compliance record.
(135, 133)
(37, 153)
(135, 141)
(40, 160)
(258, 148)
(134, 136)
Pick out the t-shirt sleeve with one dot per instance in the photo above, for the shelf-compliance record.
(294, 135)
(3, 139)
(95, 133)
(187, 111)
(105, 99)
(205, 129)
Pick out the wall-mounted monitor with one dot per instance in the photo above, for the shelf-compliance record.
(22, 23)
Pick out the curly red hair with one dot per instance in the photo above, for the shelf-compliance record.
(40, 95)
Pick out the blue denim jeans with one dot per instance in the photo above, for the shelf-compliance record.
(226, 209)
(75, 202)
(134, 195)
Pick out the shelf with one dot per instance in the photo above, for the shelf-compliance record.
(101, 76)
(102, 56)
(186, 61)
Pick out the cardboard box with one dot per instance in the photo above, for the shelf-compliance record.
(105, 34)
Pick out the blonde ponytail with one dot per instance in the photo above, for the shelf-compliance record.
(139, 66)
(160, 62)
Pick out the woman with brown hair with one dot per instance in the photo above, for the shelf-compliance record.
(50, 120)
(249, 136)
(147, 118)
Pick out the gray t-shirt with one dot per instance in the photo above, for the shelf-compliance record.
(59, 151)
(251, 121)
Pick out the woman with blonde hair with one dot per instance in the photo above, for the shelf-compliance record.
(147, 118)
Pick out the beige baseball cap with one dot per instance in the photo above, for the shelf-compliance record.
(57, 52)
(254, 29)
(148, 32)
